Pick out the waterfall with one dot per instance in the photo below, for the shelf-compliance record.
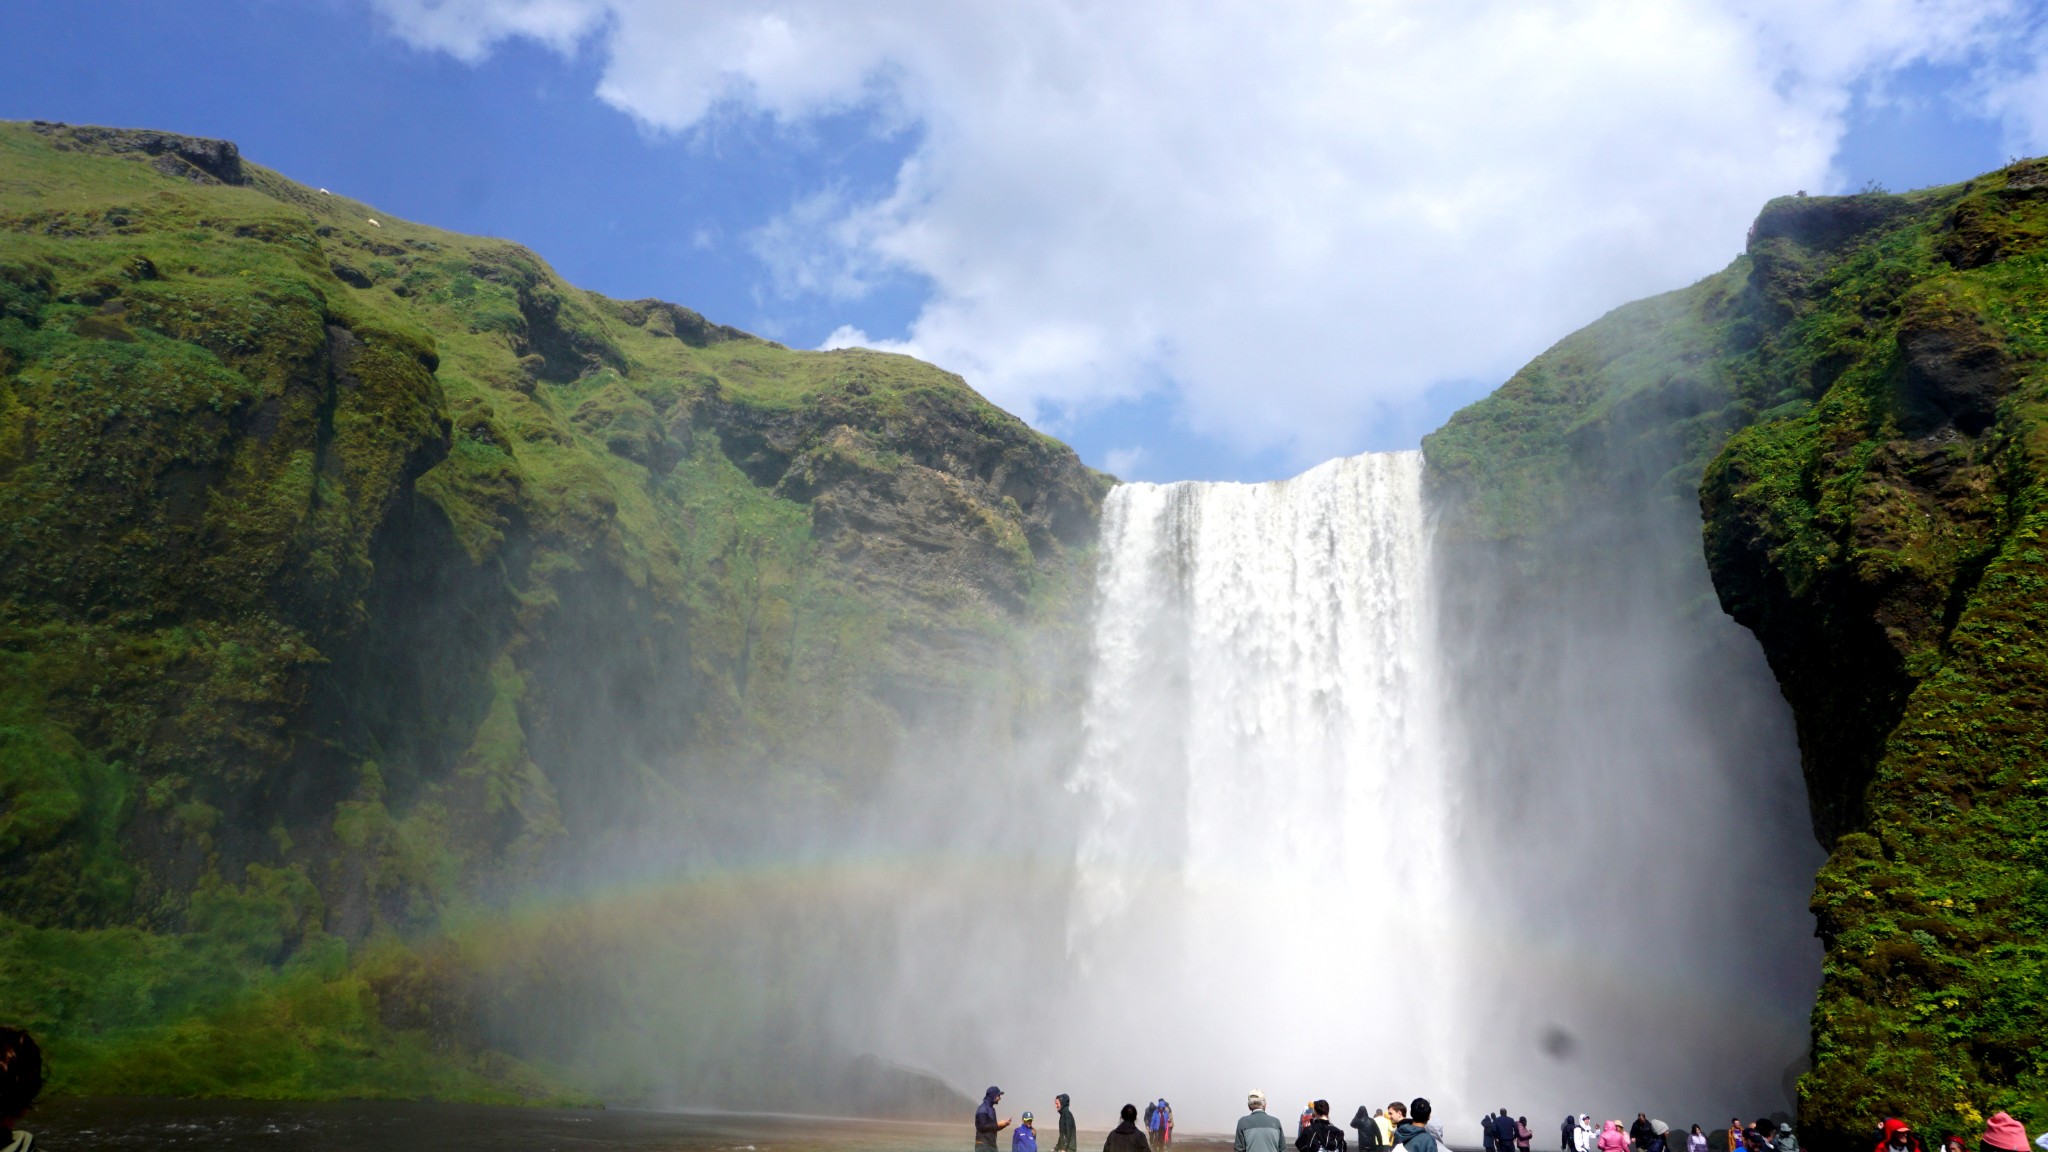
(1268, 811)
(1365, 816)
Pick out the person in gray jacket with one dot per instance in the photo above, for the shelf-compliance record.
(1258, 1131)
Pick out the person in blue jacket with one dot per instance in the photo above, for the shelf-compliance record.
(1025, 1138)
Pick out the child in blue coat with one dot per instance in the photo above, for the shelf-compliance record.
(1025, 1138)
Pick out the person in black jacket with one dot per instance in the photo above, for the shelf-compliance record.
(1067, 1142)
(1320, 1135)
(1367, 1128)
(1639, 1133)
(1127, 1136)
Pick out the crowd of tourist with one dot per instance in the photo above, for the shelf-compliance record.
(1409, 1128)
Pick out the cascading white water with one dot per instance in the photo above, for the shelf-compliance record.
(1267, 845)
(1362, 822)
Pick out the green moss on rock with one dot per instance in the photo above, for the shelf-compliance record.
(336, 553)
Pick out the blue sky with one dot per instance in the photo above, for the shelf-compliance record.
(516, 142)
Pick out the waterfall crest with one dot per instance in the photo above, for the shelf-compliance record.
(1365, 815)
(1263, 769)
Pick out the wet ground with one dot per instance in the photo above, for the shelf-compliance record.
(62, 1125)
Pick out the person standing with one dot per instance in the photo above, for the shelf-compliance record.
(1257, 1131)
(1067, 1141)
(2002, 1133)
(1503, 1127)
(1416, 1134)
(21, 1080)
(985, 1123)
(1320, 1135)
(1126, 1136)
(1524, 1135)
(1697, 1141)
(1025, 1138)
(1368, 1129)
(1165, 1123)
(1639, 1133)
(1612, 1138)
(1384, 1121)
(1583, 1139)
(1567, 1134)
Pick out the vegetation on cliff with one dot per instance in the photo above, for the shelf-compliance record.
(1886, 544)
(1858, 405)
(350, 570)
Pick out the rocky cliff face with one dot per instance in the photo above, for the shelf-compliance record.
(1857, 402)
(357, 576)
(1885, 544)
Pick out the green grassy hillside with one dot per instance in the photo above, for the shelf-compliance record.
(350, 570)
(1856, 405)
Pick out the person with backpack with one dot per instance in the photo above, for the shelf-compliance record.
(1320, 1135)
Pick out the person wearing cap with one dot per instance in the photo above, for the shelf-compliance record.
(1257, 1131)
(1025, 1138)
(2002, 1133)
(985, 1123)
(1067, 1141)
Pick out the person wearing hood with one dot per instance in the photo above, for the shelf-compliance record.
(1583, 1136)
(1612, 1138)
(1368, 1129)
(1660, 1136)
(985, 1123)
(1126, 1136)
(1257, 1131)
(1025, 1138)
(1067, 1141)
(1566, 1133)
(1898, 1136)
(1785, 1141)
(2002, 1133)
(1320, 1135)
(1415, 1133)
(1162, 1124)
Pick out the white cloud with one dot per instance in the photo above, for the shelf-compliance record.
(1300, 215)
(1124, 462)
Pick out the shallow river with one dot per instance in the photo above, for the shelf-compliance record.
(234, 1125)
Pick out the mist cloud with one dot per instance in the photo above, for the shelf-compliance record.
(1298, 217)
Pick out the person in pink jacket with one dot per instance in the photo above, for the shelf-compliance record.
(1612, 1138)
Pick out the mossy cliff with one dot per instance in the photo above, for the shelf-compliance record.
(351, 570)
(1860, 404)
